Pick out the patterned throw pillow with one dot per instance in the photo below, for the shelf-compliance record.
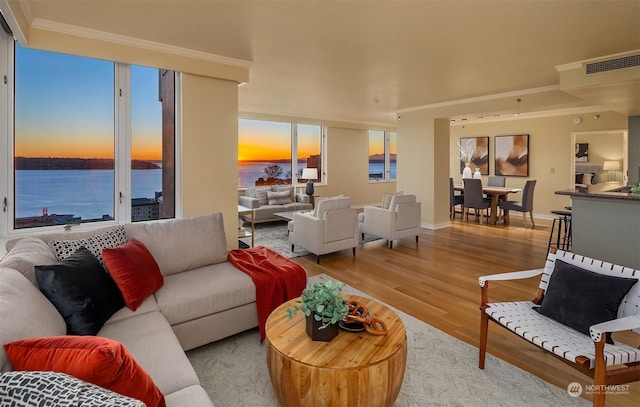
(261, 194)
(95, 244)
(51, 389)
(279, 198)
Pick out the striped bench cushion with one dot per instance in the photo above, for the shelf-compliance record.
(520, 318)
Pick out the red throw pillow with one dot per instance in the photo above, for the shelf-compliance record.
(94, 359)
(134, 270)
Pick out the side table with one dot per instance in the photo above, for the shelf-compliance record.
(354, 369)
(242, 233)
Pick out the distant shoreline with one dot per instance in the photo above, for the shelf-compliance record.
(60, 163)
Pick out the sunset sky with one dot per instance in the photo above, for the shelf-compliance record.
(65, 107)
(260, 140)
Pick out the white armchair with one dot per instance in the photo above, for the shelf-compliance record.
(331, 227)
(400, 220)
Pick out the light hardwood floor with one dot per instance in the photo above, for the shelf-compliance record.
(436, 281)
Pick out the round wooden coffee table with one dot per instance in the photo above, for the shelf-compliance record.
(354, 369)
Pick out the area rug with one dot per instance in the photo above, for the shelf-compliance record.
(275, 236)
(441, 371)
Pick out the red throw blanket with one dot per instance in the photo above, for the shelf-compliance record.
(277, 279)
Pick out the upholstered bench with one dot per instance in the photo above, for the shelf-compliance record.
(579, 302)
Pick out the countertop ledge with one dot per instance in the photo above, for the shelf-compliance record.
(609, 195)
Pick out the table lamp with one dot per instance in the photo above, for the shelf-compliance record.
(611, 166)
(310, 174)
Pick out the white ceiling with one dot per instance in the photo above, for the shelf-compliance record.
(364, 61)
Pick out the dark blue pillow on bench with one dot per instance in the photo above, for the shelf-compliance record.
(580, 298)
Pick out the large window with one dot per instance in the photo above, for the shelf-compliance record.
(92, 141)
(266, 152)
(382, 155)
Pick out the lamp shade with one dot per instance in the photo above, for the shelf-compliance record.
(611, 166)
(309, 173)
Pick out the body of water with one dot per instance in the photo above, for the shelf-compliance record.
(86, 193)
(249, 172)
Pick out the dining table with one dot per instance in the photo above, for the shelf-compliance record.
(496, 194)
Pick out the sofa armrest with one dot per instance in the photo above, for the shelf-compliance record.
(303, 198)
(515, 275)
(249, 202)
(307, 231)
(378, 221)
(615, 325)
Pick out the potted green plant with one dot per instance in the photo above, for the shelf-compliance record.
(324, 307)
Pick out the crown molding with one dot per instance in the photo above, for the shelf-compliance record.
(485, 98)
(83, 32)
(533, 115)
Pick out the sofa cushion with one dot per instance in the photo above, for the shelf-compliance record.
(80, 289)
(580, 298)
(183, 244)
(204, 291)
(148, 305)
(134, 270)
(25, 254)
(97, 360)
(189, 396)
(24, 312)
(35, 389)
(279, 198)
(109, 238)
(151, 341)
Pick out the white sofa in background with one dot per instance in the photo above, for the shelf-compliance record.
(331, 227)
(204, 298)
(265, 201)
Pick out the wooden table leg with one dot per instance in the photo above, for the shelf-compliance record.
(493, 216)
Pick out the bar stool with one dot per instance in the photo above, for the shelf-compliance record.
(563, 238)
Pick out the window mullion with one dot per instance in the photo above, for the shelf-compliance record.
(122, 140)
(294, 154)
(6, 143)
(387, 156)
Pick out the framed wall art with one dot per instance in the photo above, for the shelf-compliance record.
(512, 155)
(582, 152)
(475, 151)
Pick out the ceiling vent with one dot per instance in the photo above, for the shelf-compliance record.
(613, 64)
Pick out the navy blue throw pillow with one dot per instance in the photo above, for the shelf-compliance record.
(81, 290)
(580, 298)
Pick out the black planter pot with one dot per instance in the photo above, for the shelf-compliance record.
(325, 334)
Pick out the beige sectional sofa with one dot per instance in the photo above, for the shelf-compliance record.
(265, 201)
(204, 298)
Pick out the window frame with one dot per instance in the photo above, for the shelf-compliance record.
(122, 149)
(294, 150)
(387, 156)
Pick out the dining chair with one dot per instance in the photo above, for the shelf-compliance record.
(496, 181)
(455, 200)
(474, 199)
(525, 206)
